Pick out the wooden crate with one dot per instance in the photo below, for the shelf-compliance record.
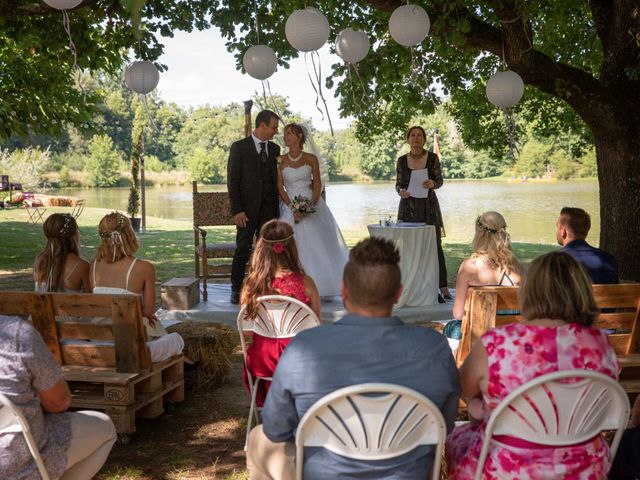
(180, 293)
(125, 396)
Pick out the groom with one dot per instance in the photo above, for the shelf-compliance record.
(253, 192)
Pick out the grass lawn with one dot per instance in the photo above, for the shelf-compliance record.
(203, 437)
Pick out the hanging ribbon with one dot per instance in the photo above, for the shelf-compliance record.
(316, 84)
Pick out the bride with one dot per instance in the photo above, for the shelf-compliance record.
(323, 251)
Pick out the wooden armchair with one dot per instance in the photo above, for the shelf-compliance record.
(210, 209)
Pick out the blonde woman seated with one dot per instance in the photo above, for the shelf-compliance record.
(491, 263)
(59, 268)
(275, 270)
(557, 334)
(116, 270)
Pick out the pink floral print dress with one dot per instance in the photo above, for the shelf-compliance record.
(518, 353)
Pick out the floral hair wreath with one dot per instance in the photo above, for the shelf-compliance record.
(108, 235)
(487, 228)
(277, 244)
(65, 229)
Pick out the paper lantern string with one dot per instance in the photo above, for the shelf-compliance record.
(510, 123)
(316, 84)
(352, 70)
(66, 24)
(418, 75)
(143, 97)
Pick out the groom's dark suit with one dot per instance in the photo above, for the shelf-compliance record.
(252, 187)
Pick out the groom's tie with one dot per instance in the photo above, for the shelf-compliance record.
(263, 152)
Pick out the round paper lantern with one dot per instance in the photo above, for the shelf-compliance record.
(63, 4)
(409, 25)
(307, 30)
(352, 45)
(505, 89)
(260, 61)
(142, 76)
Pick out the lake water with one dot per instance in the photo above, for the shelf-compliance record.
(530, 209)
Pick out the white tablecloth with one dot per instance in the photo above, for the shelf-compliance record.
(418, 262)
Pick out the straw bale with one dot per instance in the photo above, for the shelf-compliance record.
(210, 344)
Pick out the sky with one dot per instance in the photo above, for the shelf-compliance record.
(201, 70)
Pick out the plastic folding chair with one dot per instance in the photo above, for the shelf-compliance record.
(278, 317)
(372, 421)
(13, 421)
(559, 409)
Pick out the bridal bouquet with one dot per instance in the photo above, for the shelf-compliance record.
(302, 205)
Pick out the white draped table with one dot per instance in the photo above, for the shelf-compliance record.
(418, 262)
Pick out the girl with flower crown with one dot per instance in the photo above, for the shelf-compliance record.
(275, 270)
(492, 261)
(59, 268)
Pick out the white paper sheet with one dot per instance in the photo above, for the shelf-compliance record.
(415, 188)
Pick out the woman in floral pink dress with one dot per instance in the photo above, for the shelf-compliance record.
(275, 270)
(557, 334)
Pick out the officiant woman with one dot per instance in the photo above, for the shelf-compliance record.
(427, 209)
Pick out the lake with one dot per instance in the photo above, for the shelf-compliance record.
(530, 208)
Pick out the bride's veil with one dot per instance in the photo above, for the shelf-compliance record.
(313, 149)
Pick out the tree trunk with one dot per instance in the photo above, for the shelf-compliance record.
(619, 180)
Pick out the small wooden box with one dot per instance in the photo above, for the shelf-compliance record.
(180, 293)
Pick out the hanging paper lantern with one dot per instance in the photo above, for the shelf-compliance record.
(142, 76)
(409, 25)
(352, 45)
(505, 89)
(307, 30)
(260, 61)
(63, 4)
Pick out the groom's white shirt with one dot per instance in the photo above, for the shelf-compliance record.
(257, 143)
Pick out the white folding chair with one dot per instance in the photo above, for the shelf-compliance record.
(372, 421)
(550, 410)
(12, 420)
(278, 317)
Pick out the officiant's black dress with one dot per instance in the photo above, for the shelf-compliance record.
(423, 209)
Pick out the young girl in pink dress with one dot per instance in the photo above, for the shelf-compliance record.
(275, 270)
(557, 334)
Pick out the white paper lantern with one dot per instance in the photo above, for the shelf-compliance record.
(260, 61)
(63, 4)
(142, 76)
(409, 25)
(505, 89)
(352, 45)
(307, 30)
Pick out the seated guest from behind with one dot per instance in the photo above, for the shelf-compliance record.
(59, 268)
(116, 271)
(572, 229)
(557, 334)
(72, 445)
(367, 345)
(275, 270)
(492, 261)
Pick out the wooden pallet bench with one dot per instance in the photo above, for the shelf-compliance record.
(107, 365)
(620, 311)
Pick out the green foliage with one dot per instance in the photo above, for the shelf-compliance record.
(104, 162)
(153, 164)
(207, 166)
(378, 158)
(25, 166)
(65, 179)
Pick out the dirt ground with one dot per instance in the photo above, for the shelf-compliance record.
(200, 438)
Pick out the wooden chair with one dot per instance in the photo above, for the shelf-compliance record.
(354, 423)
(210, 209)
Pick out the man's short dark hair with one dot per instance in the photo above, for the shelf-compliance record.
(372, 274)
(576, 220)
(265, 117)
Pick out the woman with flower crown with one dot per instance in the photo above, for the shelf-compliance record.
(323, 251)
(59, 268)
(117, 271)
(275, 270)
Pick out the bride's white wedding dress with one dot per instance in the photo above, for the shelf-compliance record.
(322, 249)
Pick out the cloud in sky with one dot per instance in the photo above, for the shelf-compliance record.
(201, 70)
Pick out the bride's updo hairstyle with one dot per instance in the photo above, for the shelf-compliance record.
(117, 238)
(492, 241)
(275, 251)
(299, 132)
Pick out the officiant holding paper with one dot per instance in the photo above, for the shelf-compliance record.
(418, 176)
